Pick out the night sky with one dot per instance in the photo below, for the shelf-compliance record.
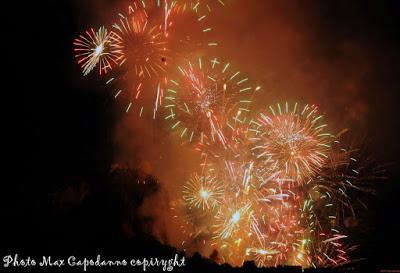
(67, 132)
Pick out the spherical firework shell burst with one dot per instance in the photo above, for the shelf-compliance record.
(208, 100)
(144, 46)
(101, 48)
(202, 192)
(291, 139)
(142, 77)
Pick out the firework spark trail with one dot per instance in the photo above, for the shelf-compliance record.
(146, 53)
(190, 32)
(145, 56)
(293, 139)
(322, 242)
(274, 213)
(276, 188)
(98, 48)
(181, 6)
(144, 46)
(209, 98)
(250, 220)
(203, 192)
(140, 47)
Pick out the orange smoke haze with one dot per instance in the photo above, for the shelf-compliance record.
(283, 46)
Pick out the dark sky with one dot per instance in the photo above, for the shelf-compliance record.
(342, 55)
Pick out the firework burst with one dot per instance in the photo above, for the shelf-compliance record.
(204, 192)
(262, 254)
(208, 98)
(142, 76)
(276, 188)
(144, 45)
(274, 214)
(98, 48)
(322, 243)
(292, 139)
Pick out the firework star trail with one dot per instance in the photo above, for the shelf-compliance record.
(274, 184)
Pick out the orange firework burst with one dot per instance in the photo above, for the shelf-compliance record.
(292, 140)
(144, 45)
(207, 99)
(142, 75)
